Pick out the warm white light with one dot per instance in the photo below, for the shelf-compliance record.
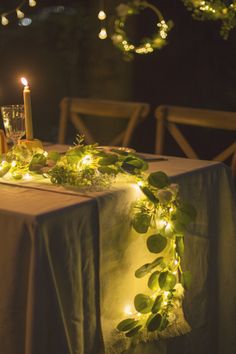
(86, 160)
(32, 3)
(13, 163)
(19, 13)
(127, 310)
(27, 177)
(176, 262)
(166, 293)
(140, 183)
(45, 153)
(4, 20)
(24, 81)
(103, 33)
(101, 15)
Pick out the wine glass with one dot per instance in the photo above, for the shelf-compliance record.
(14, 121)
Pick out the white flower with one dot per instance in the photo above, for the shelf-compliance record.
(122, 10)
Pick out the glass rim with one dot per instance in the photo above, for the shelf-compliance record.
(17, 105)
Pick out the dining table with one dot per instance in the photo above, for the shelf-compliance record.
(67, 261)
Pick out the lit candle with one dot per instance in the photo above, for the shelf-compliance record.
(27, 109)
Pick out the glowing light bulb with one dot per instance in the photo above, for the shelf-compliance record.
(127, 310)
(13, 164)
(27, 177)
(32, 3)
(103, 33)
(45, 153)
(19, 13)
(86, 160)
(140, 183)
(24, 81)
(4, 20)
(176, 262)
(165, 303)
(102, 15)
(166, 293)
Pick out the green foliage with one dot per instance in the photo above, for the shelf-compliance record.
(167, 281)
(156, 243)
(158, 179)
(127, 325)
(217, 10)
(141, 222)
(143, 303)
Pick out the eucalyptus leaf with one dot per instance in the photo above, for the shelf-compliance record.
(153, 281)
(157, 304)
(186, 279)
(133, 331)
(109, 159)
(156, 243)
(149, 194)
(158, 179)
(127, 325)
(147, 268)
(143, 303)
(180, 246)
(167, 281)
(38, 161)
(164, 323)
(154, 323)
(141, 222)
(142, 271)
(53, 155)
(4, 169)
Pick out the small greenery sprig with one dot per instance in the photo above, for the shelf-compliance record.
(214, 10)
(163, 214)
(147, 45)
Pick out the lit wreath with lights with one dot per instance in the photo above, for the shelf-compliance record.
(147, 45)
(217, 10)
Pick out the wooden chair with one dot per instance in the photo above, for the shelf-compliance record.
(3, 142)
(73, 109)
(168, 117)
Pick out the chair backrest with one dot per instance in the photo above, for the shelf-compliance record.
(3, 142)
(169, 117)
(73, 109)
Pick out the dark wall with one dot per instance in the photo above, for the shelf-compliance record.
(61, 55)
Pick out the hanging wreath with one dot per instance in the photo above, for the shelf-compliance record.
(205, 10)
(147, 45)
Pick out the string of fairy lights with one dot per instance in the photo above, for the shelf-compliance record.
(17, 10)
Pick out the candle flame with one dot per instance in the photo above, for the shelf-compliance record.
(24, 81)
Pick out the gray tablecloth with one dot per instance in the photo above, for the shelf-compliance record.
(67, 261)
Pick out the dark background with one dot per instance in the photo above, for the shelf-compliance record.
(61, 55)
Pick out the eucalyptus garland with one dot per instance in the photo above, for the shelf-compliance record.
(214, 10)
(159, 216)
(148, 45)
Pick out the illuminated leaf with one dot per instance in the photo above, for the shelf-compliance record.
(180, 246)
(156, 243)
(133, 331)
(146, 268)
(141, 222)
(154, 322)
(157, 304)
(127, 324)
(153, 282)
(143, 303)
(167, 281)
(4, 169)
(149, 194)
(109, 159)
(158, 179)
(186, 279)
(53, 155)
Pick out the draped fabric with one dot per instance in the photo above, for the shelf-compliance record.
(67, 265)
